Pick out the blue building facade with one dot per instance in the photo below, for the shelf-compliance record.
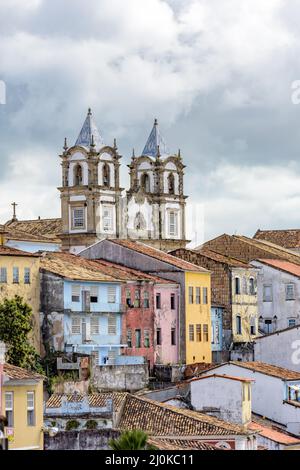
(93, 319)
(217, 330)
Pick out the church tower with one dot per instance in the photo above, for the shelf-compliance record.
(155, 200)
(90, 191)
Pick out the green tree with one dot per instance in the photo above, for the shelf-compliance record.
(15, 326)
(131, 440)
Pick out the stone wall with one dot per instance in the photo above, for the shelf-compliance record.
(80, 440)
(120, 378)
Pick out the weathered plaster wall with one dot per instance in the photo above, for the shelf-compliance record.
(81, 440)
(127, 378)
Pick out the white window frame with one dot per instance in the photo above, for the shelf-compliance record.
(107, 220)
(111, 294)
(76, 325)
(16, 275)
(95, 325)
(3, 275)
(31, 419)
(173, 225)
(27, 276)
(9, 397)
(76, 217)
(290, 295)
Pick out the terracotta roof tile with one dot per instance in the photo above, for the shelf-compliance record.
(45, 227)
(273, 434)
(223, 376)
(206, 253)
(287, 238)
(18, 373)
(269, 369)
(160, 419)
(286, 266)
(158, 254)
(95, 399)
(180, 444)
(8, 251)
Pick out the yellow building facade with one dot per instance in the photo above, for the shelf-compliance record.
(244, 305)
(198, 317)
(19, 275)
(22, 404)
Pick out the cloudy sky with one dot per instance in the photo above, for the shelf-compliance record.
(217, 74)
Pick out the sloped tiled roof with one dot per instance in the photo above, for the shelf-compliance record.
(263, 368)
(98, 400)
(222, 376)
(273, 434)
(124, 273)
(205, 252)
(8, 251)
(286, 266)
(160, 419)
(159, 255)
(287, 238)
(179, 444)
(18, 373)
(11, 233)
(50, 228)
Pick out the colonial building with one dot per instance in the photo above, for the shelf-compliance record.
(92, 205)
(289, 239)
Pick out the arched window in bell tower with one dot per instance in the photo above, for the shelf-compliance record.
(78, 175)
(106, 175)
(145, 182)
(171, 184)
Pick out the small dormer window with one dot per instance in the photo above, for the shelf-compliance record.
(171, 184)
(78, 175)
(106, 175)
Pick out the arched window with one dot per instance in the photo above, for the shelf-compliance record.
(237, 285)
(139, 222)
(251, 286)
(145, 182)
(78, 175)
(238, 325)
(171, 184)
(106, 175)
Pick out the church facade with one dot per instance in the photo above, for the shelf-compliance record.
(94, 205)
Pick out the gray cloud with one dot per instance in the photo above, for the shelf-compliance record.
(217, 75)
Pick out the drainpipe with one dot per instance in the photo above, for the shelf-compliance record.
(2, 361)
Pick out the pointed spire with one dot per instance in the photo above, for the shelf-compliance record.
(65, 147)
(115, 144)
(154, 141)
(89, 132)
(133, 154)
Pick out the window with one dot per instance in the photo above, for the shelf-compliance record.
(137, 298)
(16, 275)
(140, 222)
(75, 293)
(173, 336)
(111, 294)
(107, 218)
(191, 295)
(112, 325)
(198, 295)
(238, 325)
(26, 275)
(205, 297)
(9, 408)
(3, 275)
(146, 339)
(290, 292)
(171, 184)
(252, 326)
(129, 338)
(267, 293)
(251, 286)
(86, 301)
(137, 338)
(268, 326)
(205, 333)
(191, 333)
(30, 409)
(76, 326)
(78, 219)
(172, 302)
(146, 299)
(198, 333)
(292, 322)
(237, 285)
(95, 325)
(94, 294)
(173, 223)
(158, 336)
(128, 297)
(145, 182)
(77, 175)
(112, 354)
(106, 175)
(158, 301)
